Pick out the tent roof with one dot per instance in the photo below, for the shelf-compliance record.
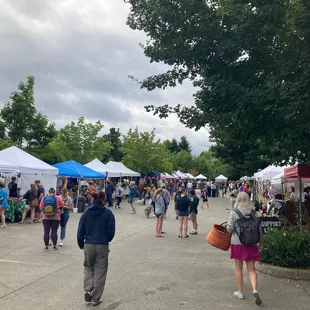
(169, 176)
(189, 175)
(268, 173)
(200, 177)
(181, 175)
(122, 169)
(100, 167)
(25, 162)
(221, 177)
(7, 167)
(75, 170)
(297, 171)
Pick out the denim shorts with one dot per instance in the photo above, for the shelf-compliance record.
(183, 213)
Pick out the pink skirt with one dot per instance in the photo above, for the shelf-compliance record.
(245, 253)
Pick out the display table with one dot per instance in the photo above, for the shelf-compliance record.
(14, 205)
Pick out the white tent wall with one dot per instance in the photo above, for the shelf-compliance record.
(47, 181)
(30, 168)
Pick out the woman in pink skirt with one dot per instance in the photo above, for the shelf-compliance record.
(243, 253)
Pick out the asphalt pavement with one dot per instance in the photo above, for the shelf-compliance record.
(145, 272)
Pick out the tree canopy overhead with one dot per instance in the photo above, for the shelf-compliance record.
(250, 62)
(21, 122)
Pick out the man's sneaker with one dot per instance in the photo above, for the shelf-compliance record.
(239, 295)
(257, 299)
(61, 243)
(88, 297)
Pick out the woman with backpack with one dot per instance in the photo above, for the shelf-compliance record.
(245, 247)
(51, 206)
(160, 209)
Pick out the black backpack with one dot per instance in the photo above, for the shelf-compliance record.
(248, 228)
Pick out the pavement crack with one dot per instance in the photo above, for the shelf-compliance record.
(6, 286)
(304, 288)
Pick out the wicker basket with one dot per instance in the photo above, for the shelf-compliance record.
(219, 237)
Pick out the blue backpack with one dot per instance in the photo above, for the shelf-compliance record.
(50, 206)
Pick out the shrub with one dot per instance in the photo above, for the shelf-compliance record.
(287, 247)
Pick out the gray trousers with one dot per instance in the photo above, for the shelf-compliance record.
(95, 268)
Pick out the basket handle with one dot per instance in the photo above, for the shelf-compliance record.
(224, 224)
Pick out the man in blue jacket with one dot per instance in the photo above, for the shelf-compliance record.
(96, 229)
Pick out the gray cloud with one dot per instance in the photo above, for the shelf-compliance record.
(81, 53)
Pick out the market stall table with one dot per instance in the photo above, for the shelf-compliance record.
(13, 206)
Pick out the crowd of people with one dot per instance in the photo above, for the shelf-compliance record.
(97, 223)
(50, 209)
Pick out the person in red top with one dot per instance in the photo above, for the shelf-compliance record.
(246, 188)
(51, 206)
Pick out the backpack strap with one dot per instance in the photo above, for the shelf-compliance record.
(239, 213)
(253, 214)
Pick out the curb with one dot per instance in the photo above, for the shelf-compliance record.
(280, 272)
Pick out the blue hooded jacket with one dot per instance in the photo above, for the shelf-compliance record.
(96, 226)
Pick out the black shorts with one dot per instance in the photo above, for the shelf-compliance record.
(158, 215)
(195, 211)
(205, 199)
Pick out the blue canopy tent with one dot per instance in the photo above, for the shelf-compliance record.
(75, 170)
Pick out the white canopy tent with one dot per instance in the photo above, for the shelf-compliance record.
(180, 175)
(190, 176)
(200, 177)
(122, 169)
(100, 167)
(268, 173)
(221, 178)
(278, 179)
(30, 168)
(169, 176)
(8, 168)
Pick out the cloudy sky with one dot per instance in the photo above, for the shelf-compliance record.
(81, 53)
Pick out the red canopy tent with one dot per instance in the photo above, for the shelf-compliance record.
(299, 171)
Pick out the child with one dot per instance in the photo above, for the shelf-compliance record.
(194, 211)
(204, 196)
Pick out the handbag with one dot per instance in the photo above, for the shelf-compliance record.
(219, 237)
(33, 203)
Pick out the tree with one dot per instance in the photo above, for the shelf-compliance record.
(184, 144)
(172, 146)
(114, 137)
(250, 61)
(143, 153)
(182, 161)
(79, 141)
(25, 126)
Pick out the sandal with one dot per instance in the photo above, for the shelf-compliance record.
(159, 236)
(180, 236)
(3, 226)
(186, 236)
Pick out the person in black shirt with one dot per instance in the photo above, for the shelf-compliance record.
(13, 188)
(29, 196)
